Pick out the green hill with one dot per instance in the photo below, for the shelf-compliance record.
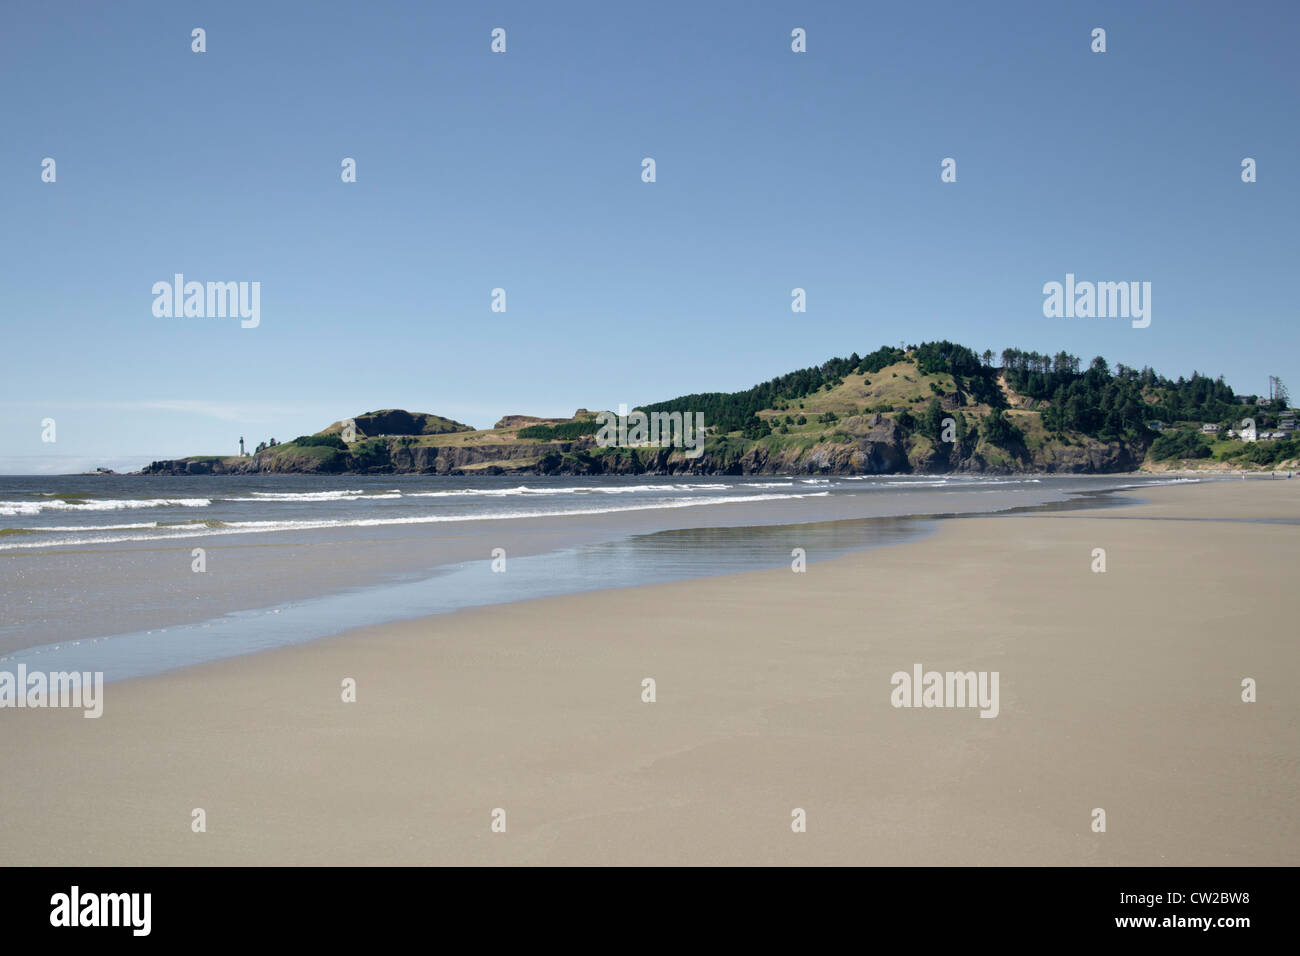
(936, 407)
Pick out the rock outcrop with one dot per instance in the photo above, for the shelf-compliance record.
(880, 450)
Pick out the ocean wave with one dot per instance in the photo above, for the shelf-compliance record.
(174, 532)
(524, 490)
(1156, 484)
(65, 528)
(10, 508)
(302, 496)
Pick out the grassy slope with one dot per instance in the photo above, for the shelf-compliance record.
(892, 389)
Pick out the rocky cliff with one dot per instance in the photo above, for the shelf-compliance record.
(880, 448)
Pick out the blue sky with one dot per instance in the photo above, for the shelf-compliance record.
(522, 170)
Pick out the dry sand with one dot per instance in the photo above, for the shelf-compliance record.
(1119, 690)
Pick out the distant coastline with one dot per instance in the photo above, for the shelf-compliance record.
(936, 408)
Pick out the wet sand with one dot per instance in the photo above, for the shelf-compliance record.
(56, 594)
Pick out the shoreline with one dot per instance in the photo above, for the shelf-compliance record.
(1144, 470)
(1119, 690)
(406, 585)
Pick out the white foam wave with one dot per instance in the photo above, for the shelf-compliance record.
(524, 490)
(10, 508)
(66, 528)
(301, 496)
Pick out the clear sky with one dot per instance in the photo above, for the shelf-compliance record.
(522, 171)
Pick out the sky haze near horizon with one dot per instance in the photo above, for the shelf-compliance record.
(522, 171)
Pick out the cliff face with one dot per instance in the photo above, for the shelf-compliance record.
(444, 460)
(384, 456)
(1093, 457)
(880, 448)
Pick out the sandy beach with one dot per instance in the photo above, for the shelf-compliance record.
(1119, 690)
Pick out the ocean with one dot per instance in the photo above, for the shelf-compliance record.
(137, 575)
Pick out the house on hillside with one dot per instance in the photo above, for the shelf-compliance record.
(1209, 428)
(1156, 426)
